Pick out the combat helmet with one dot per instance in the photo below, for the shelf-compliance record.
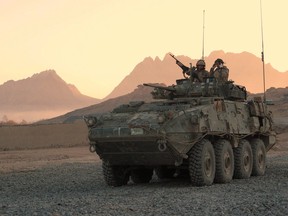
(201, 63)
(219, 61)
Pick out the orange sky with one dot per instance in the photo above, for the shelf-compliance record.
(94, 44)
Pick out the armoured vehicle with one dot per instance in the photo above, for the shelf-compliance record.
(207, 131)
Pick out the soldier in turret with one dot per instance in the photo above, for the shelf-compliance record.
(219, 71)
(198, 73)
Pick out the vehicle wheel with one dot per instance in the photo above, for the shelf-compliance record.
(243, 160)
(224, 161)
(163, 172)
(114, 175)
(259, 157)
(202, 163)
(142, 175)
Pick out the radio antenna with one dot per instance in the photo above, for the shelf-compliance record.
(203, 34)
(262, 53)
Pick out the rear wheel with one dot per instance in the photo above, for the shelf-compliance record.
(114, 175)
(243, 160)
(224, 161)
(142, 175)
(202, 163)
(163, 172)
(259, 157)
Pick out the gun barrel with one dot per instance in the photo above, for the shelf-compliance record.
(180, 64)
(169, 88)
(172, 56)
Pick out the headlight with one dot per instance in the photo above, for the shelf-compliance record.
(90, 120)
(137, 131)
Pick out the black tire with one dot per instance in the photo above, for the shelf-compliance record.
(224, 161)
(114, 175)
(202, 163)
(163, 172)
(243, 160)
(259, 157)
(143, 175)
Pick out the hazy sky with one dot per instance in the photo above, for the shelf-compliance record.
(94, 44)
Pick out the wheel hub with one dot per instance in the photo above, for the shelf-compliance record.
(208, 165)
(246, 162)
(260, 159)
(227, 163)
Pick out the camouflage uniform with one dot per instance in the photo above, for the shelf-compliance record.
(219, 71)
(198, 74)
(221, 74)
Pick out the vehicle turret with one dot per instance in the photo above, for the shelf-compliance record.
(186, 88)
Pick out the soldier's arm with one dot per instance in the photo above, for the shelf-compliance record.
(212, 71)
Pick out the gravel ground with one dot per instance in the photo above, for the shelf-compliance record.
(79, 189)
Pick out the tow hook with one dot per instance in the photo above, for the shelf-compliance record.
(92, 148)
(162, 145)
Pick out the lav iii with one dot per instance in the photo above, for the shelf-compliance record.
(208, 131)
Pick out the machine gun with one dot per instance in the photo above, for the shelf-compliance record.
(186, 70)
(180, 64)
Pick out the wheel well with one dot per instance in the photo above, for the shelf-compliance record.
(234, 141)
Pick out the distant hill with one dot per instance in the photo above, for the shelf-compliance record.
(245, 69)
(141, 93)
(42, 95)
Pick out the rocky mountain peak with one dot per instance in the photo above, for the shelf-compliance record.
(45, 93)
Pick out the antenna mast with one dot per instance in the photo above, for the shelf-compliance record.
(203, 34)
(262, 53)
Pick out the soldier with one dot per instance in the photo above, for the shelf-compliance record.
(219, 71)
(198, 73)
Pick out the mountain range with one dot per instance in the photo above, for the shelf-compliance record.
(45, 95)
(40, 96)
(244, 68)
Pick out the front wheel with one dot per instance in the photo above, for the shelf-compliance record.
(243, 160)
(259, 157)
(114, 175)
(202, 163)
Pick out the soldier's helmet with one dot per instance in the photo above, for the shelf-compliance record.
(219, 61)
(200, 63)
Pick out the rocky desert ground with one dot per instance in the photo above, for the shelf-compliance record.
(49, 171)
(68, 181)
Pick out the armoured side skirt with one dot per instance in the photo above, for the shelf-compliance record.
(134, 151)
